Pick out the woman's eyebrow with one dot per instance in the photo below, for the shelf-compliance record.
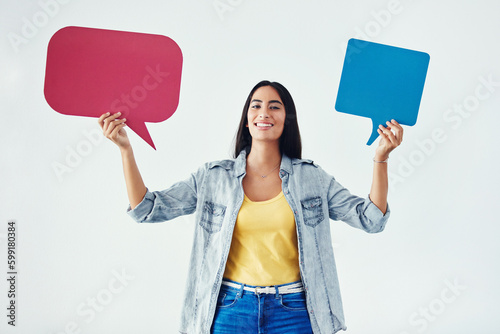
(272, 101)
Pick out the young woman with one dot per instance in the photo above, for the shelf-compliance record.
(262, 259)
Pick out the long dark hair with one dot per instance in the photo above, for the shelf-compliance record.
(290, 143)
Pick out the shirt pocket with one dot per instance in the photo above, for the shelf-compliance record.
(212, 217)
(312, 211)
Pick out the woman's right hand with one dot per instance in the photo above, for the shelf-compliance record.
(113, 129)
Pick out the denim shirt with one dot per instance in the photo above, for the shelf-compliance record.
(214, 193)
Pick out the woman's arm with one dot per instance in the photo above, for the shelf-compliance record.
(113, 129)
(389, 140)
(135, 186)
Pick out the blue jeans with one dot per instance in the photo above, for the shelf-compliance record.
(240, 311)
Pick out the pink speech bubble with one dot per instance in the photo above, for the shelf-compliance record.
(93, 71)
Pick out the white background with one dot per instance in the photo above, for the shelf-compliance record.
(74, 236)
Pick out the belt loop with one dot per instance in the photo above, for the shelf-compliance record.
(240, 293)
(277, 292)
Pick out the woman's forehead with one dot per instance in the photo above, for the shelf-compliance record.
(266, 93)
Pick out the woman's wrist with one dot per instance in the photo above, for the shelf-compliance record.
(381, 157)
(126, 150)
(380, 161)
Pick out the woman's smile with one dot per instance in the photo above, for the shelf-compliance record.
(263, 125)
(266, 114)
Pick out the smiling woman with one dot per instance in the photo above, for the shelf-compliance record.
(262, 258)
(266, 116)
(289, 141)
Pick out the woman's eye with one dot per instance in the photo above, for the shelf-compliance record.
(255, 106)
(275, 107)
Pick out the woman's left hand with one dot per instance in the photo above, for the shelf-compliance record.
(391, 137)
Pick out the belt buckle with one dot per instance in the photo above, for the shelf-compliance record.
(257, 290)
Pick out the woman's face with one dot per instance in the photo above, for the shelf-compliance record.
(266, 115)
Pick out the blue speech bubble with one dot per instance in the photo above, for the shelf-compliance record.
(381, 82)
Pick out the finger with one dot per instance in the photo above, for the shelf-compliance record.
(399, 136)
(398, 129)
(386, 130)
(109, 125)
(389, 134)
(383, 134)
(100, 120)
(385, 141)
(113, 124)
(396, 124)
(118, 127)
(109, 120)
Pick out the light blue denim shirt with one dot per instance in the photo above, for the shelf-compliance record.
(214, 194)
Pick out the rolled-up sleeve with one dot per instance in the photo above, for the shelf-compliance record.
(356, 211)
(158, 206)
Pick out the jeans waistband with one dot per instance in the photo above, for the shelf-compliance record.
(274, 289)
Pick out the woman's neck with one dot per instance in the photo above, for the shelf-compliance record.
(264, 156)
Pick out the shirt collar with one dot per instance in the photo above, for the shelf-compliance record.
(241, 164)
(286, 164)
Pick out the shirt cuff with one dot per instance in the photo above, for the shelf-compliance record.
(372, 210)
(375, 215)
(143, 209)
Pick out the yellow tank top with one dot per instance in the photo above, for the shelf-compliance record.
(264, 246)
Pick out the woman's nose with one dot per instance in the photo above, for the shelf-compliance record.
(264, 113)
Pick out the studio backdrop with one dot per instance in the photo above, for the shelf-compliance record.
(73, 261)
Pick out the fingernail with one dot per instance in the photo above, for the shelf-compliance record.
(118, 113)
